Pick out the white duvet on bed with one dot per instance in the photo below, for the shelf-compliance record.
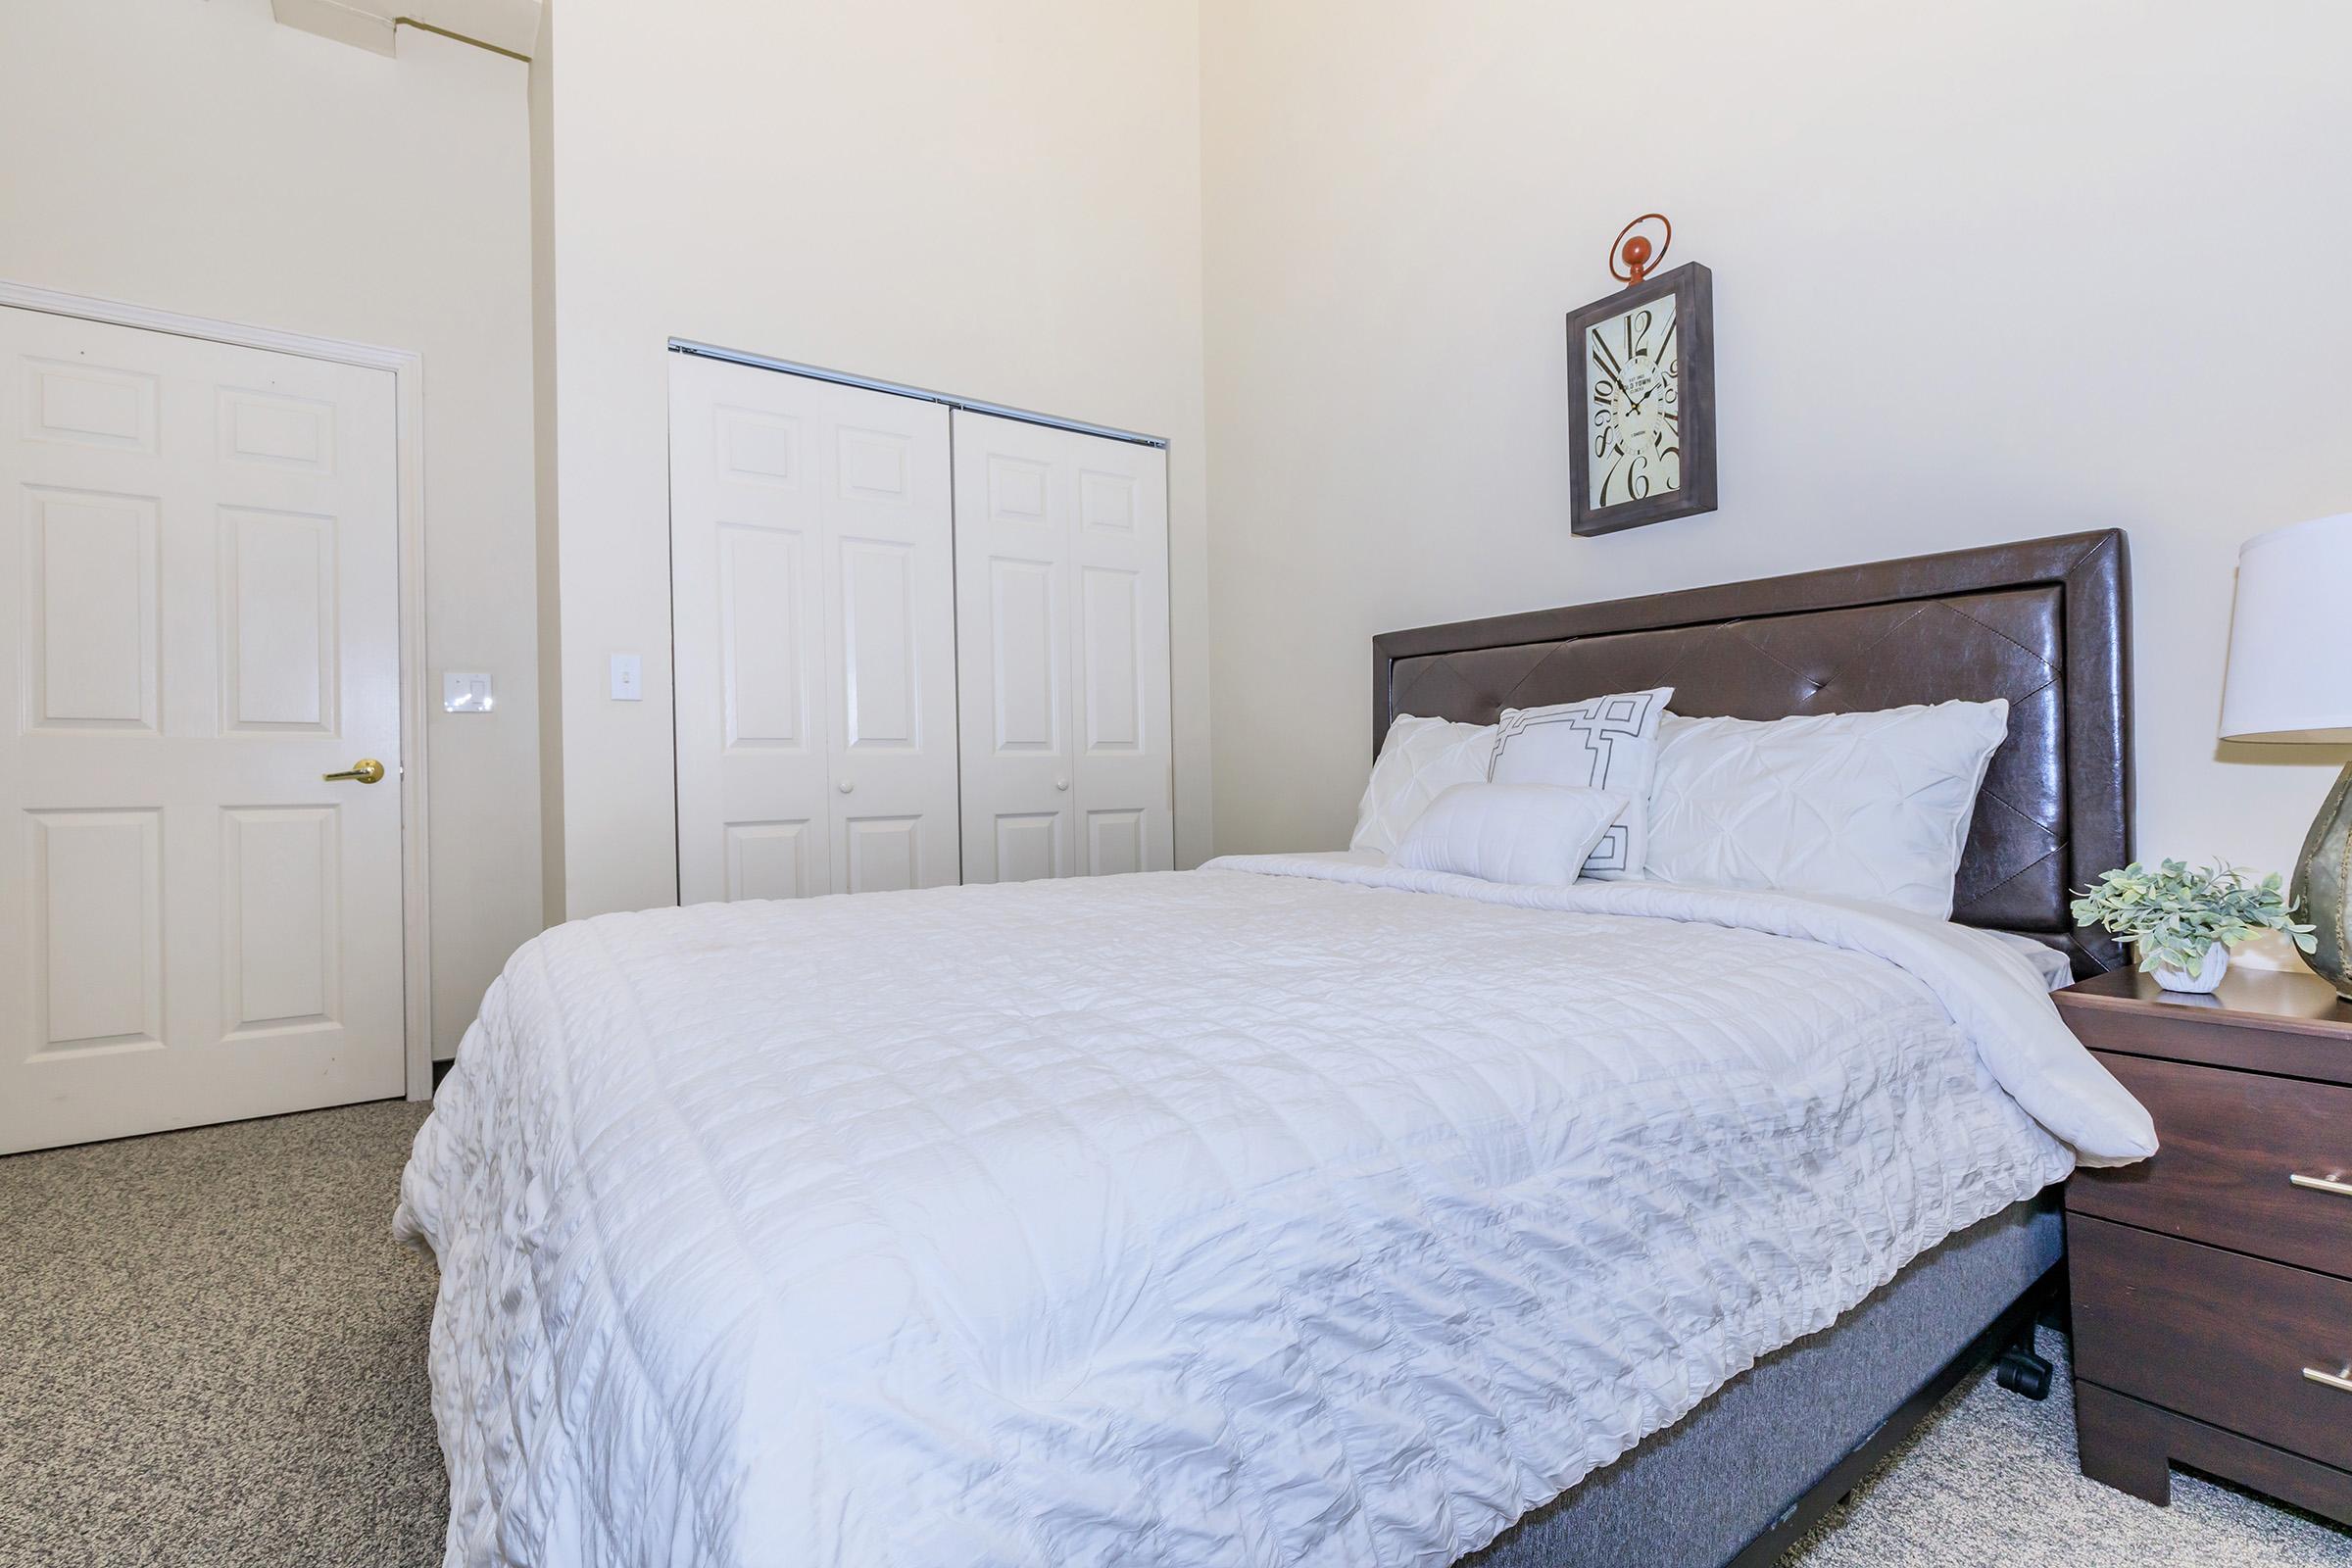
(1337, 1216)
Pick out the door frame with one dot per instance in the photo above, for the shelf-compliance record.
(407, 401)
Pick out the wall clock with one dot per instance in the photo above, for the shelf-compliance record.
(1641, 396)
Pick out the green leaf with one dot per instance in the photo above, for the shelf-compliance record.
(2177, 913)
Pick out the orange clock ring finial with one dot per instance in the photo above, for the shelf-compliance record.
(1635, 249)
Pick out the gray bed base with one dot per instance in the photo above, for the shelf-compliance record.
(1739, 1479)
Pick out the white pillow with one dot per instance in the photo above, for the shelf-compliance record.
(2056, 970)
(1856, 806)
(1419, 757)
(1531, 833)
(1602, 743)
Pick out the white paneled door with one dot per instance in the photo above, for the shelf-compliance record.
(198, 618)
(812, 551)
(1061, 584)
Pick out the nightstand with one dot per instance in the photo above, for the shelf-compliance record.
(2212, 1285)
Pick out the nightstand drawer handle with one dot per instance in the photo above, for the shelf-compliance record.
(2323, 1184)
(2335, 1379)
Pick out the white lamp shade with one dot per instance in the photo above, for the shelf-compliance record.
(2290, 636)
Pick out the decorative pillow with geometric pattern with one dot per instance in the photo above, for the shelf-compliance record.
(1418, 759)
(1602, 743)
(1874, 806)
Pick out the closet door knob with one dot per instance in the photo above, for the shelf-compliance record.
(1061, 783)
(845, 785)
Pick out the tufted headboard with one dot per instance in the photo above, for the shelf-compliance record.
(2045, 623)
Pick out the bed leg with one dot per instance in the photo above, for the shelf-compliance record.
(2020, 1369)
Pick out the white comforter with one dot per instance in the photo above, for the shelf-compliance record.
(1337, 1216)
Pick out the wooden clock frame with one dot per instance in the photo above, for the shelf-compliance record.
(1694, 289)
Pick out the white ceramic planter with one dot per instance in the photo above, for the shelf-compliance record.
(2206, 976)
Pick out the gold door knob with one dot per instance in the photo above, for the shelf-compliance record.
(367, 770)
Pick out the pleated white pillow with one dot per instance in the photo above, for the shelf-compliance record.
(1419, 757)
(1872, 805)
(1529, 833)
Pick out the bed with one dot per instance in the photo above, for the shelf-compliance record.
(1297, 1209)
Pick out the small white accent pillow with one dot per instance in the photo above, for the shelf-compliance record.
(1419, 757)
(1529, 833)
(1602, 743)
(1854, 805)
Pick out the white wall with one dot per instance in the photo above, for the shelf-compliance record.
(550, 645)
(995, 200)
(1982, 273)
(193, 156)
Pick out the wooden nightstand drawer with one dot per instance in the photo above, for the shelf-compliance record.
(2230, 1141)
(2213, 1335)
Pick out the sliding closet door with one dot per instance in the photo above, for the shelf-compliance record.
(1061, 587)
(813, 605)
(890, 617)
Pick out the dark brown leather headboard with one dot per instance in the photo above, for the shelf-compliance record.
(2045, 623)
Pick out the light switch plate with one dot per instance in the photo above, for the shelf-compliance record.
(629, 679)
(466, 692)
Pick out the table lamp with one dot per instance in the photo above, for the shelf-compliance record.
(2290, 680)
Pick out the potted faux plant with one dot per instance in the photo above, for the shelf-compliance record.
(2182, 920)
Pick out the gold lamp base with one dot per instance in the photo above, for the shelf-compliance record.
(2321, 877)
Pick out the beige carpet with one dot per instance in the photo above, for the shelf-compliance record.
(1989, 1481)
(212, 1353)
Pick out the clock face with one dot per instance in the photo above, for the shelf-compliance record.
(1631, 373)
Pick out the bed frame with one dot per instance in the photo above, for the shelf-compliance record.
(2044, 623)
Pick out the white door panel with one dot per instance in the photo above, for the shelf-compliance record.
(1115, 840)
(883, 854)
(1032, 845)
(766, 861)
(1027, 623)
(1012, 619)
(1062, 626)
(891, 638)
(813, 587)
(199, 616)
(746, 545)
(1126, 757)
